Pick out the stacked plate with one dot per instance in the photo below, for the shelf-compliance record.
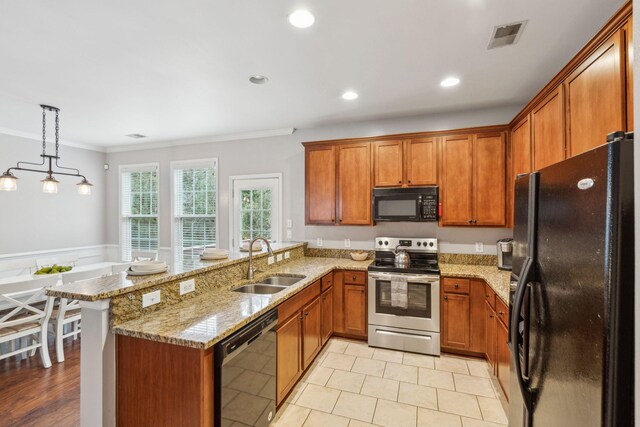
(144, 268)
(214, 253)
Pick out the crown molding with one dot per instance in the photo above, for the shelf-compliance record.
(201, 140)
(34, 137)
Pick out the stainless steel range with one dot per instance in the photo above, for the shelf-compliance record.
(404, 295)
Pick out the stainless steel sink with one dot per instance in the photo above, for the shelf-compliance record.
(281, 280)
(257, 288)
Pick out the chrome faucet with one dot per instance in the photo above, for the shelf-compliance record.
(251, 271)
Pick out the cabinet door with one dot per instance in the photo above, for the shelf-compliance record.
(387, 164)
(547, 123)
(455, 321)
(490, 317)
(489, 198)
(421, 161)
(477, 327)
(327, 314)
(502, 357)
(289, 359)
(628, 29)
(354, 184)
(457, 178)
(355, 310)
(596, 102)
(320, 188)
(521, 147)
(311, 331)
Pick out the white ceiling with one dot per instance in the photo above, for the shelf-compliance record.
(174, 69)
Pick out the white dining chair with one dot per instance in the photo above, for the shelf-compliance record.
(144, 256)
(68, 311)
(118, 268)
(18, 266)
(26, 312)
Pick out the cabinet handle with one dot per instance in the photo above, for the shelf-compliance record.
(306, 314)
(475, 221)
(487, 295)
(455, 285)
(400, 182)
(491, 316)
(362, 290)
(409, 181)
(446, 297)
(470, 221)
(501, 313)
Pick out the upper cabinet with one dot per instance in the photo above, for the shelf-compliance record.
(628, 31)
(320, 181)
(547, 120)
(354, 184)
(473, 180)
(521, 147)
(596, 97)
(398, 163)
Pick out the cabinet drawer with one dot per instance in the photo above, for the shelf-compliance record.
(490, 296)
(355, 277)
(502, 312)
(455, 285)
(327, 281)
(296, 302)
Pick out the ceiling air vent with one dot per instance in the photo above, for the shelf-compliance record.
(136, 135)
(505, 35)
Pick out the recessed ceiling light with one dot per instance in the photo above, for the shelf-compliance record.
(450, 81)
(302, 19)
(257, 79)
(349, 95)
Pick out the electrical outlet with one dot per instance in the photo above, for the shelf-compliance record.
(479, 247)
(279, 257)
(187, 286)
(289, 234)
(319, 241)
(270, 260)
(289, 223)
(347, 243)
(151, 298)
(287, 255)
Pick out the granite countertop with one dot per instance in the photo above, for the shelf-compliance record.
(118, 284)
(202, 321)
(498, 279)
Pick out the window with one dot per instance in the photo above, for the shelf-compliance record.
(255, 210)
(139, 209)
(195, 206)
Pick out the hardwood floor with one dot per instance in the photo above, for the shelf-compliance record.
(33, 396)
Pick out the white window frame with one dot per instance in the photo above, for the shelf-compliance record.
(232, 179)
(193, 163)
(133, 167)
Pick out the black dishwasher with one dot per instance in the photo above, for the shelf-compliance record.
(245, 374)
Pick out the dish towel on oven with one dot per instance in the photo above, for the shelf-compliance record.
(399, 292)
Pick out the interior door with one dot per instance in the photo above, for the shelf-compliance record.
(255, 210)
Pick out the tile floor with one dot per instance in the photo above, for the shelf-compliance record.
(353, 385)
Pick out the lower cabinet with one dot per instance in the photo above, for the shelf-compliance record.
(455, 321)
(490, 319)
(311, 332)
(327, 314)
(355, 310)
(289, 356)
(502, 357)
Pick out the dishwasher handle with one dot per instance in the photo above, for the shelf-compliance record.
(235, 344)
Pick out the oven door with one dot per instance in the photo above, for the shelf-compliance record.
(397, 207)
(423, 302)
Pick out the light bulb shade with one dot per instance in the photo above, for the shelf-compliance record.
(49, 185)
(84, 187)
(8, 182)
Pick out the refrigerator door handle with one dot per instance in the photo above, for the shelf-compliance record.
(527, 393)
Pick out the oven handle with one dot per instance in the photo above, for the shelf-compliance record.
(413, 279)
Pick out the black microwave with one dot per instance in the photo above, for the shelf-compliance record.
(405, 204)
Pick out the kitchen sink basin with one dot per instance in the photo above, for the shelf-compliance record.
(281, 280)
(257, 288)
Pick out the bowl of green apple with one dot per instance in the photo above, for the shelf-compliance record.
(54, 269)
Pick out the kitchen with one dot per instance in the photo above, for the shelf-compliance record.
(428, 197)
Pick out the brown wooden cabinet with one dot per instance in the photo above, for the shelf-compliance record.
(596, 97)
(473, 180)
(289, 355)
(388, 161)
(502, 356)
(354, 184)
(355, 310)
(477, 320)
(311, 331)
(320, 181)
(521, 147)
(455, 321)
(420, 161)
(490, 335)
(327, 314)
(628, 30)
(547, 123)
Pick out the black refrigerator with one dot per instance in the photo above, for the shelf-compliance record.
(571, 332)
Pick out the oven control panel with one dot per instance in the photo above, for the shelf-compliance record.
(423, 244)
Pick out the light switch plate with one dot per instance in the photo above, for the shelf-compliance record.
(187, 286)
(289, 234)
(270, 260)
(287, 255)
(347, 243)
(289, 223)
(479, 247)
(279, 257)
(150, 298)
(319, 241)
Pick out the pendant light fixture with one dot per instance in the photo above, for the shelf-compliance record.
(9, 182)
